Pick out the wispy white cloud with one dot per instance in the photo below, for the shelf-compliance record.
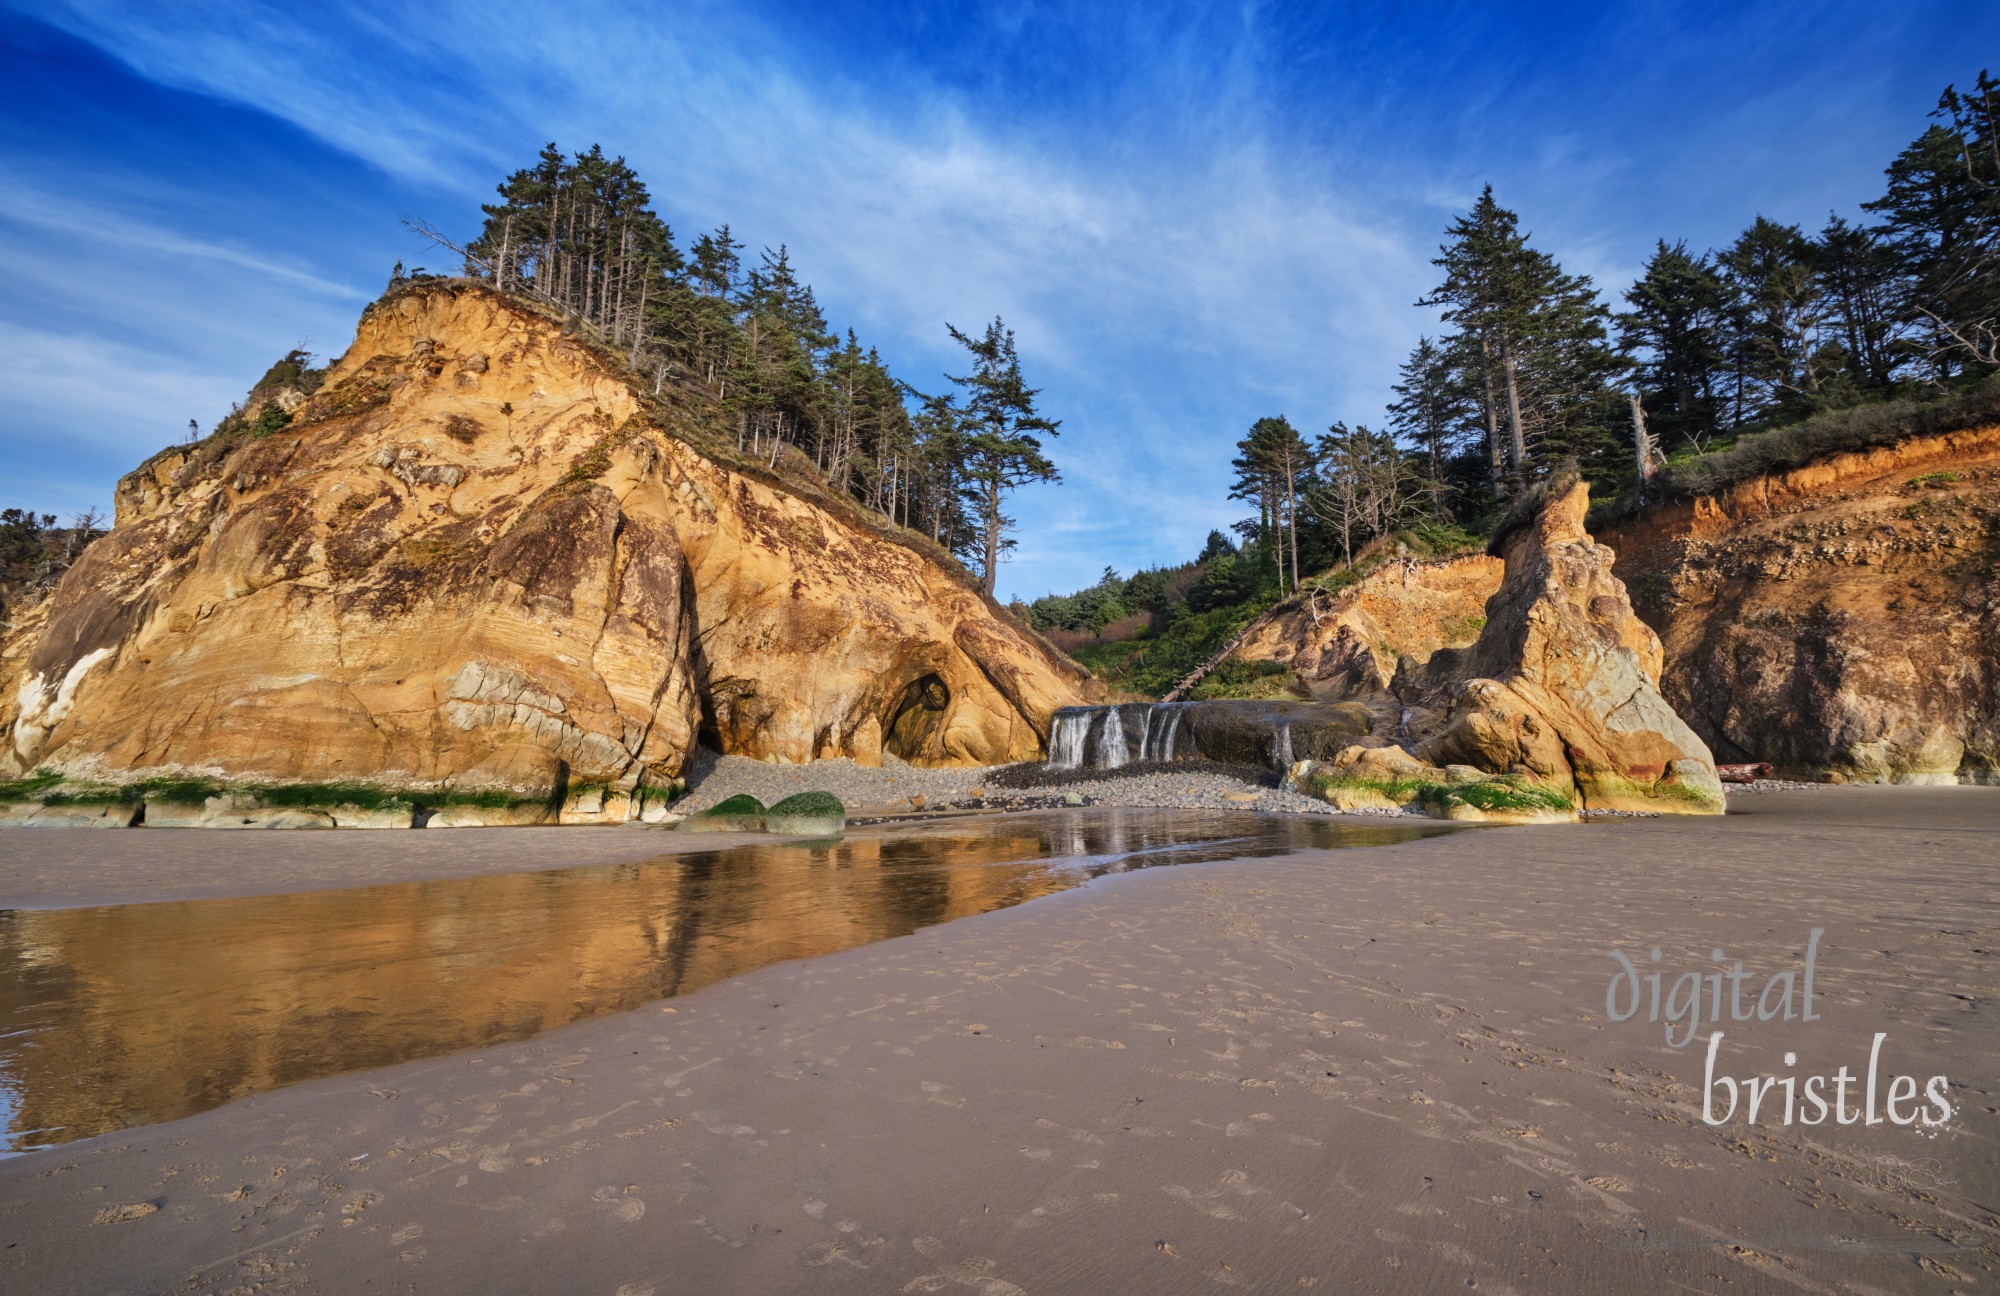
(1141, 274)
(107, 230)
(1218, 214)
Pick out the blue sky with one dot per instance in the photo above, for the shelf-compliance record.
(1192, 216)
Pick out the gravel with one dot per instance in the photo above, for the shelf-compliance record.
(712, 778)
(1188, 785)
(1014, 787)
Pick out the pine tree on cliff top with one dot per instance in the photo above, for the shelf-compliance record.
(1000, 448)
(1537, 339)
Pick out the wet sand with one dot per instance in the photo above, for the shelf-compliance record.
(1371, 1070)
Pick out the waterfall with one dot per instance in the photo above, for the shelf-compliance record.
(1104, 737)
(1232, 731)
(1111, 742)
(1156, 742)
(1173, 710)
(1068, 735)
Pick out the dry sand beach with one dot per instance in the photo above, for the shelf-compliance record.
(1383, 1070)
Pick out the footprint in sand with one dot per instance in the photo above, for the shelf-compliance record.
(941, 1094)
(122, 1214)
(624, 1207)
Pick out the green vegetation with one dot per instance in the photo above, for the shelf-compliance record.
(1772, 353)
(49, 787)
(1145, 633)
(272, 418)
(807, 814)
(1463, 629)
(1754, 453)
(293, 369)
(1259, 680)
(35, 552)
(740, 813)
(1934, 480)
(808, 803)
(1504, 794)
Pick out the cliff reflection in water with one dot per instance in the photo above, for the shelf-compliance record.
(125, 1015)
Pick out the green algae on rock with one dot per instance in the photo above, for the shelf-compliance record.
(807, 814)
(740, 813)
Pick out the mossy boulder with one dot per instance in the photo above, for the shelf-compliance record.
(740, 813)
(807, 814)
(1380, 778)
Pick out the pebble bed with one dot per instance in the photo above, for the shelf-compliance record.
(862, 789)
(712, 778)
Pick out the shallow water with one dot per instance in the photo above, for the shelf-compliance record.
(125, 1015)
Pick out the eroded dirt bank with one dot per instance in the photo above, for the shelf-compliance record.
(1841, 620)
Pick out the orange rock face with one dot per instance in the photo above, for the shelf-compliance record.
(1839, 621)
(1348, 645)
(1531, 664)
(481, 558)
(1563, 683)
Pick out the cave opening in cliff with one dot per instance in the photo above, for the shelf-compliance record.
(916, 731)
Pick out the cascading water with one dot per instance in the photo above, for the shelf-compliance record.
(1102, 737)
(1269, 735)
(1068, 736)
(1111, 739)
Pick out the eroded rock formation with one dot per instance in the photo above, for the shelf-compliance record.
(1349, 644)
(1553, 708)
(1840, 621)
(1563, 682)
(481, 558)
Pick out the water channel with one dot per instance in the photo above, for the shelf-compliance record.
(124, 1015)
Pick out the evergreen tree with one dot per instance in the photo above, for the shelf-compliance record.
(1538, 340)
(1001, 446)
(578, 232)
(1430, 412)
(1272, 464)
(1367, 485)
(1680, 327)
(1941, 220)
(1857, 272)
(1781, 314)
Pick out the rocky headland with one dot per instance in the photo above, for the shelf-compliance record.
(483, 569)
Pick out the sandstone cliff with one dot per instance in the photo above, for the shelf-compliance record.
(1562, 684)
(1840, 621)
(1349, 644)
(481, 559)
(1516, 686)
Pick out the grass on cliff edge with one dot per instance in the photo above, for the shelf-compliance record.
(1796, 445)
(48, 787)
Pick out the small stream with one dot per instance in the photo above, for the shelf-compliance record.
(126, 1015)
